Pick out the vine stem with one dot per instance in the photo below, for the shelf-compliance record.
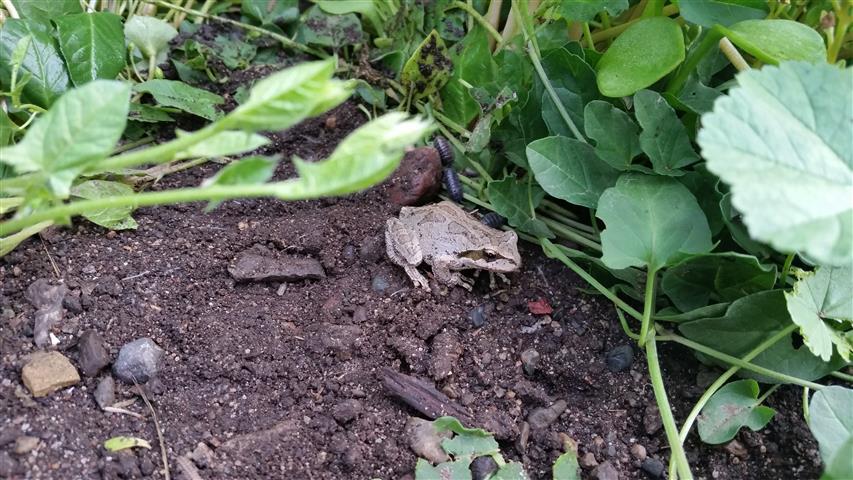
(842, 19)
(496, 36)
(842, 376)
(786, 269)
(648, 307)
(537, 65)
(682, 466)
(806, 414)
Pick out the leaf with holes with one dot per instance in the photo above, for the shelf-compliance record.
(821, 303)
(731, 408)
(428, 69)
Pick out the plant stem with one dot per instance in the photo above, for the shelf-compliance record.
(611, 32)
(648, 307)
(552, 205)
(570, 234)
(806, 415)
(711, 40)
(653, 9)
(496, 36)
(682, 466)
(585, 229)
(493, 16)
(769, 392)
(534, 57)
(842, 376)
(588, 36)
(625, 326)
(786, 269)
(735, 58)
(842, 23)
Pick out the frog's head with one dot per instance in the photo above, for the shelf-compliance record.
(500, 254)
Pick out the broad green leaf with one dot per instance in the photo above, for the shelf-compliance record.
(570, 170)
(247, 171)
(640, 56)
(781, 140)
(7, 244)
(510, 471)
(571, 72)
(776, 41)
(46, 9)
(586, 10)
(117, 218)
(566, 467)
(517, 200)
(150, 35)
(120, 443)
(319, 28)
(42, 61)
(748, 322)
(271, 13)
(472, 442)
(472, 64)
(821, 304)
(616, 136)
(92, 44)
(572, 103)
(455, 470)
(651, 222)
(715, 277)
(429, 67)
(832, 425)
(289, 96)
(224, 143)
(703, 185)
(664, 138)
(708, 13)
(734, 225)
(366, 157)
(732, 407)
(141, 112)
(80, 129)
(171, 93)
(375, 12)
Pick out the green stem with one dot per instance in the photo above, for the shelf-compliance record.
(648, 307)
(534, 57)
(476, 16)
(682, 466)
(611, 32)
(552, 205)
(131, 145)
(786, 268)
(570, 234)
(588, 36)
(806, 414)
(625, 326)
(581, 227)
(766, 394)
(653, 9)
(842, 376)
(842, 23)
(711, 40)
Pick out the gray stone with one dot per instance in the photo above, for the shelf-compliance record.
(638, 451)
(202, 456)
(605, 471)
(380, 283)
(105, 392)
(138, 360)
(93, 354)
(347, 411)
(482, 467)
(47, 372)
(425, 441)
(529, 361)
(129, 464)
(47, 299)
(588, 461)
(544, 416)
(619, 358)
(146, 466)
(652, 422)
(653, 467)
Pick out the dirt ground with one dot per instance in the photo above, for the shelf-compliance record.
(284, 381)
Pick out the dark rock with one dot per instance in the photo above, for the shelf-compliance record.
(372, 248)
(445, 352)
(499, 422)
(588, 461)
(411, 350)
(418, 179)
(619, 358)
(72, 303)
(202, 455)
(478, 316)
(346, 411)
(138, 360)
(129, 464)
(47, 299)
(653, 467)
(93, 354)
(349, 254)
(146, 466)
(652, 422)
(8, 465)
(338, 339)
(483, 467)
(109, 285)
(255, 265)
(544, 416)
(105, 393)
(605, 471)
(529, 361)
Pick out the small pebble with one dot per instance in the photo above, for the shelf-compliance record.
(138, 360)
(605, 471)
(105, 392)
(202, 455)
(483, 467)
(380, 283)
(93, 354)
(529, 361)
(347, 411)
(146, 466)
(25, 444)
(653, 467)
(619, 358)
(544, 416)
(588, 461)
(638, 451)
(478, 316)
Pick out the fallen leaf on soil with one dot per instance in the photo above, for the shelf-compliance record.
(540, 307)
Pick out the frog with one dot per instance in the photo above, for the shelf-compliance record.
(449, 239)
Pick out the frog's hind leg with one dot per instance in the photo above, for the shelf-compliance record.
(417, 277)
(404, 250)
(442, 272)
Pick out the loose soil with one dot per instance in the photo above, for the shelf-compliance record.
(266, 375)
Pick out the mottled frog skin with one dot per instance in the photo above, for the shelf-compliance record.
(448, 239)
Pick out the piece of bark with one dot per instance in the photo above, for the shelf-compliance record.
(422, 396)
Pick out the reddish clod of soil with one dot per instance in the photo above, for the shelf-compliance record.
(286, 383)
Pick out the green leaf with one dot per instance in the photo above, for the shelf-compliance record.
(171, 93)
(640, 56)
(510, 471)
(715, 277)
(429, 67)
(832, 425)
(234, 53)
(664, 138)
(776, 41)
(708, 13)
(472, 64)
(781, 139)
(748, 322)
(117, 218)
(80, 129)
(120, 443)
(271, 13)
(703, 185)
(569, 71)
(247, 171)
(572, 103)
(517, 201)
(286, 98)
(150, 35)
(821, 304)
(734, 225)
(375, 12)
(148, 114)
(473, 442)
(224, 143)
(44, 64)
(319, 28)
(570, 170)
(456, 470)
(732, 407)
(616, 136)
(566, 467)
(586, 10)
(46, 9)
(92, 44)
(651, 221)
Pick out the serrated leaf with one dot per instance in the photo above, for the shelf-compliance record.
(150, 35)
(664, 138)
(121, 443)
(779, 40)
(247, 171)
(732, 407)
(471, 442)
(92, 44)
(821, 304)
(224, 143)
(516, 201)
(80, 129)
(113, 218)
(319, 28)
(781, 139)
(42, 61)
(586, 10)
(171, 93)
(832, 425)
(455, 470)
(651, 221)
(429, 67)
(708, 13)
(616, 136)
(570, 170)
(715, 278)
(640, 56)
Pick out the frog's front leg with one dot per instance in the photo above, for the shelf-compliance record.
(404, 249)
(442, 268)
